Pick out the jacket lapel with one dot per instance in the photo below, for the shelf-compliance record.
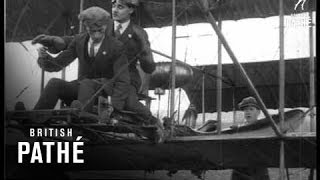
(127, 33)
(83, 47)
(103, 50)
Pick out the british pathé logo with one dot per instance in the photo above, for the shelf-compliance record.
(42, 152)
(301, 3)
(296, 20)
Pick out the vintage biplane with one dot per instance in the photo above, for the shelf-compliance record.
(121, 143)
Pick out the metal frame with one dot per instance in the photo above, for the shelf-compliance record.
(205, 7)
(173, 70)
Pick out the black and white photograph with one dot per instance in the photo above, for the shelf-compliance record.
(160, 89)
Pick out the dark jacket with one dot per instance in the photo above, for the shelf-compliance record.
(110, 62)
(137, 48)
(135, 40)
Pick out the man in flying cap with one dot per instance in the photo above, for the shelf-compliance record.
(100, 59)
(250, 108)
(251, 111)
(137, 50)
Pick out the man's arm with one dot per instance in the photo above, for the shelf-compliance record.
(67, 40)
(145, 56)
(55, 44)
(54, 64)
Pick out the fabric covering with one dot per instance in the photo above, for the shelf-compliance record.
(264, 76)
(27, 18)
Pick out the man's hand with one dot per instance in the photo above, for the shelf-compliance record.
(43, 57)
(45, 61)
(54, 44)
(42, 53)
(43, 39)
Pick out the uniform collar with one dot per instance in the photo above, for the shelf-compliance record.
(124, 25)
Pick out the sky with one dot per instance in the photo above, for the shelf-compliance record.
(252, 40)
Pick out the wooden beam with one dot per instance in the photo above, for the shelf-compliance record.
(179, 106)
(173, 69)
(219, 82)
(203, 100)
(81, 9)
(224, 42)
(281, 87)
(312, 75)
(66, 27)
(234, 104)
(281, 66)
(42, 81)
(159, 99)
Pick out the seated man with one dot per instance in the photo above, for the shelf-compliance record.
(133, 37)
(137, 49)
(251, 111)
(100, 57)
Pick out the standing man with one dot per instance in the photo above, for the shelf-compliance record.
(101, 59)
(251, 111)
(134, 37)
(135, 40)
